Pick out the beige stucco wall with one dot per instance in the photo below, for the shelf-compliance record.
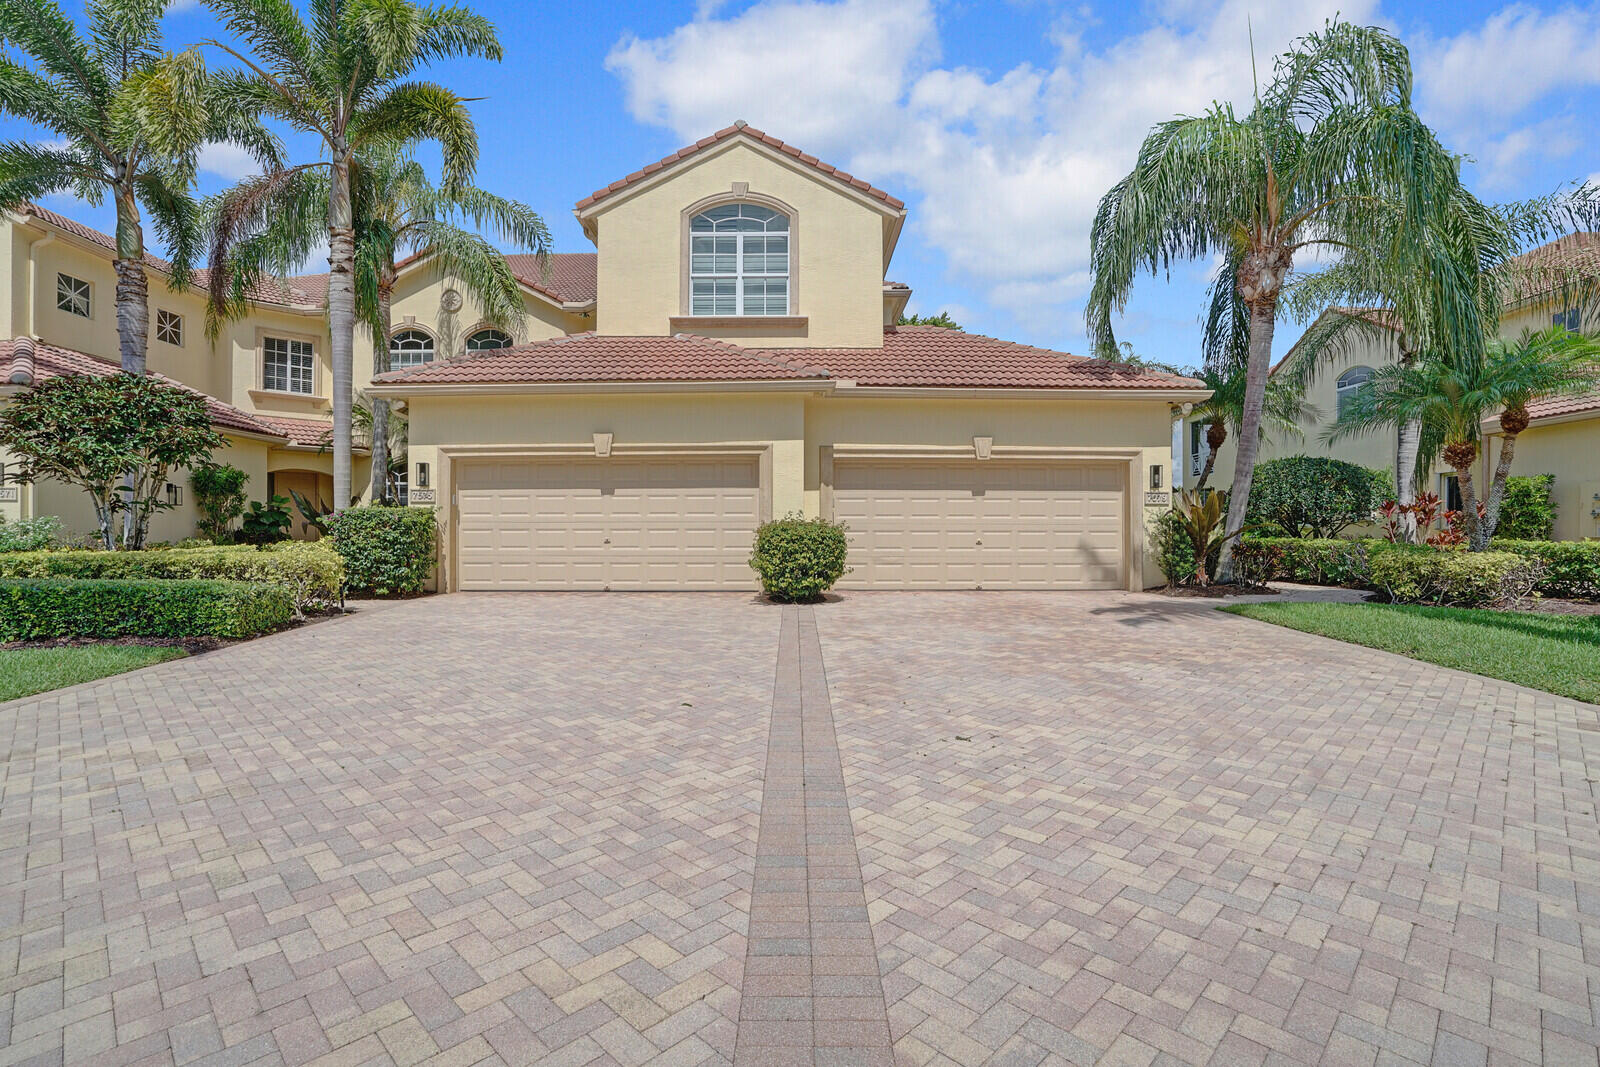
(836, 264)
(1571, 452)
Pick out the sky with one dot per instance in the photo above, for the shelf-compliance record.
(1001, 123)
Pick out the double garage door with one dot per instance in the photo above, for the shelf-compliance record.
(673, 522)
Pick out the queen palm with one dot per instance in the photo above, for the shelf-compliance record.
(1284, 409)
(97, 95)
(341, 76)
(1331, 155)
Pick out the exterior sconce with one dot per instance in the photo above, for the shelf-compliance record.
(422, 476)
(1155, 476)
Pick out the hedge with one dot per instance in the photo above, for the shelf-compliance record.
(1411, 574)
(1572, 568)
(799, 559)
(387, 551)
(1315, 495)
(35, 608)
(312, 573)
(1311, 561)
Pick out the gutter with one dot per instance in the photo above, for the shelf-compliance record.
(819, 386)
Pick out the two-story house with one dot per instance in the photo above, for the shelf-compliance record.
(731, 355)
(1562, 439)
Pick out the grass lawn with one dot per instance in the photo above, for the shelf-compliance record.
(1557, 653)
(25, 671)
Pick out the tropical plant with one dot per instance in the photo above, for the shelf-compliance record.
(219, 496)
(117, 436)
(941, 319)
(1201, 514)
(1284, 409)
(340, 76)
(125, 125)
(1528, 512)
(266, 522)
(1332, 155)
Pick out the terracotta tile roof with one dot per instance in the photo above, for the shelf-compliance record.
(1537, 269)
(741, 129)
(566, 276)
(896, 285)
(589, 357)
(1561, 405)
(312, 432)
(935, 357)
(33, 361)
(918, 356)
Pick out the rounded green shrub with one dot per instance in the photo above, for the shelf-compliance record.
(1313, 496)
(799, 559)
(1419, 574)
(1528, 510)
(387, 551)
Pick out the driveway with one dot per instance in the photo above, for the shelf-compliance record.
(896, 828)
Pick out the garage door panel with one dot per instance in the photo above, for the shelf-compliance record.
(667, 523)
(992, 524)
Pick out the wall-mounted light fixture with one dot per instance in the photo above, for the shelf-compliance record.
(1155, 476)
(422, 476)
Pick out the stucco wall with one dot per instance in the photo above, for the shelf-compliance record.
(836, 264)
(1571, 452)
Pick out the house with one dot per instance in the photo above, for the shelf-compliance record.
(1562, 439)
(728, 354)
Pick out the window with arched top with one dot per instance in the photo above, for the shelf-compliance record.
(488, 339)
(739, 261)
(1349, 382)
(410, 348)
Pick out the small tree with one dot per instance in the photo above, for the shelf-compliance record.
(1528, 512)
(219, 494)
(1313, 496)
(941, 319)
(93, 432)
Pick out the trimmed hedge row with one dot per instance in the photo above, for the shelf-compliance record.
(311, 573)
(1572, 568)
(387, 550)
(35, 608)
(1413, 574)
(1311, 561)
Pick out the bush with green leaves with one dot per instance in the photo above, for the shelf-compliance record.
(41, 608)
(1257, 561)
(30, 535)
(311, 573)
(1528, 509)
(219, 496)
(1420, 574)
(799, 559)
(1572, 568)
(1173, 548)
(1314, 561)
(266, 522)
(1313, 496)
(388, 551)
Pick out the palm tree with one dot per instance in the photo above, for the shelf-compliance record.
(1284, 409)
(341, 77)
(1331, 155)
(98, 94)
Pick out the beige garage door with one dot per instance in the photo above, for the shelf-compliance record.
(983, 524)
(616, 523)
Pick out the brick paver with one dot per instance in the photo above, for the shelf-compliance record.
(527, 829)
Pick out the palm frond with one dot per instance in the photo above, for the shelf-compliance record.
(421, 111)
(31, 171)
(42, 30)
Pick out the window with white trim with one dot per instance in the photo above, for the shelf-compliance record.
(1349, 383)
(288, 365)
(72, 295)
(488, 339)
(410, 348)
(169, 328)
(1571, 318)
(739, 261)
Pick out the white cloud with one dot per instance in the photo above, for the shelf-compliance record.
(227, 161)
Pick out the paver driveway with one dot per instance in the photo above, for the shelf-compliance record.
(591, 829)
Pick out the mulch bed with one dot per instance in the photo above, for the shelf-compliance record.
(192, 645)
(1555, 606)
(1217, 589)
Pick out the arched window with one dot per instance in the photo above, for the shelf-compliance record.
(739, 261)
(410, 348)
(1349, 382)
(488, 339)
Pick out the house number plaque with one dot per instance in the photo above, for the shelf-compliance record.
(1157, 498)
(8, 494)
(420, 496)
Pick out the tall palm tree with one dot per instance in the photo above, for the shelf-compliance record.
(1331, 155)
(342, 77)
(1284, 409)
(98, 94)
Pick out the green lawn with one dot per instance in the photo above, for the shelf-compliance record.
(1556, 653)
(25, 671)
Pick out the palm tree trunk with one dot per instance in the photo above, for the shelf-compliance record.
(341, 317)
(1263, 321)
(1469, 506)
(380, 406)
(1497, 489)
(1405, 474)
(133, 327)
(1205, 472)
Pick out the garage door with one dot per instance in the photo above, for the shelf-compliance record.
(983, 524)
(641, 523)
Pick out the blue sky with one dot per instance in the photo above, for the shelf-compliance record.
(1000, 123)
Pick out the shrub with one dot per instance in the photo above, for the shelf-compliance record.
(1411, 574)
(1257, 561)
(799, 559)
(1173, 548)
(1528, 509)
(387, 551)
(219, 495)
(1314, 496)
(29, 535)
(310, 573)
(1572, 568)
(1314, 561)
(266, 523)
(33, 608)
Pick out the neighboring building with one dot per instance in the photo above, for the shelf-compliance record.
(1563, 439)
(727, 355)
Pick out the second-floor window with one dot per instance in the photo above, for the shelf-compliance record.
(287, 365)
(72, 295)
(1349, 383)
(488, 339)
(739, 261)
(1571, 318)
(169, 328)
(410, 348)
